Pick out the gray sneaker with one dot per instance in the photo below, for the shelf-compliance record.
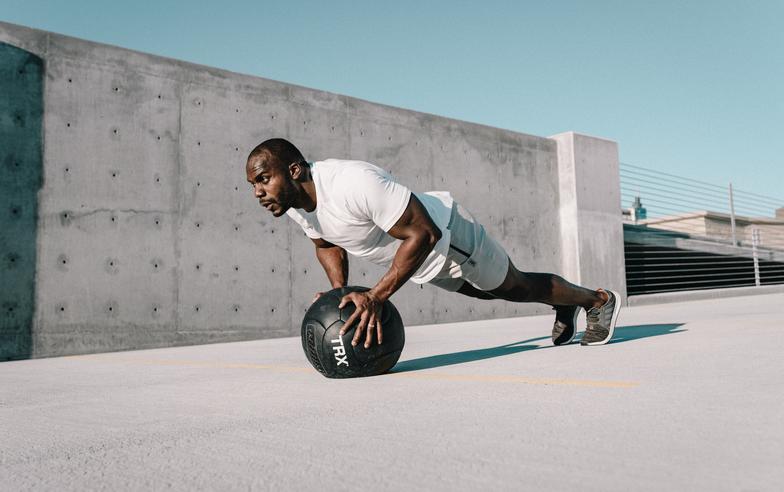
(601, 321)
(565, 324)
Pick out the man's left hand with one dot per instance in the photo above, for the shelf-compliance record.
(367, 314)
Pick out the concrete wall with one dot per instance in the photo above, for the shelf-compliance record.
(148, 234)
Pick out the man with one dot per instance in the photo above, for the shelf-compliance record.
(356, 207)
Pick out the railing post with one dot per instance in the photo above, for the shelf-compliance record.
(732, 218)
(755, 254)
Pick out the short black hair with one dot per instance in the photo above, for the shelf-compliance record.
(276, 152)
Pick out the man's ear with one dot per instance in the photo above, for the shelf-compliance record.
(296, 170)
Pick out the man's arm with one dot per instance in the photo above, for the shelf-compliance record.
(334, 260)
(419, 235)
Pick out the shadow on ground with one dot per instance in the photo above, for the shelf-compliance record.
(635, 332)
(622, 334)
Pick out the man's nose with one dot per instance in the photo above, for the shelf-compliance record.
(258, 190)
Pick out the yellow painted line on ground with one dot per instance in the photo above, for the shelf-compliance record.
(414, 375)
(518, 379)
(196, 363)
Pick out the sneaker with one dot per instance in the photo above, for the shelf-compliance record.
(565, 322)
(601, 321)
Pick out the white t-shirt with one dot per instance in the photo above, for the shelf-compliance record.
(358, 202)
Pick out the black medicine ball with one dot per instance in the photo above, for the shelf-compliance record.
(332, 355)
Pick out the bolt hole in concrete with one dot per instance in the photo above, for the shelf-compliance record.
(198, 225)
(68, 125)
(157, 222)
(273, 270)
(159, 96)
(272, 310)
(70, 80)
(198, 309)
(198, 183)
(115, 131)
(67, 169)
(198, 267)
(198, 143)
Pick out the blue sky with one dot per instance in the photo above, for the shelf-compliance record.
(693, 88)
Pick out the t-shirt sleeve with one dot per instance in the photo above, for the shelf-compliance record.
(376, 195)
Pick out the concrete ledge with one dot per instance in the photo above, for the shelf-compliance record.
(695, 295)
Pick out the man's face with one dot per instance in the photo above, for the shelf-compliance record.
(273, 186)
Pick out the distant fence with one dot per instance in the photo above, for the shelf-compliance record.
(685, 234)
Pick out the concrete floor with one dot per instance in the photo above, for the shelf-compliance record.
(688, 396)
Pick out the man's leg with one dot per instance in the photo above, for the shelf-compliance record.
(481, 262)
(564, 328)
(546, 288)
(602, 306)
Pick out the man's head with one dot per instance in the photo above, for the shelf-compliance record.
(276, 170)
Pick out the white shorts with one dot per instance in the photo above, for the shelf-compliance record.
(473, 257)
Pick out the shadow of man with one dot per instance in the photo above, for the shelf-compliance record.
(622, 334)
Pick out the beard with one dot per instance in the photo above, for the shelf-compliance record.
(286, 199)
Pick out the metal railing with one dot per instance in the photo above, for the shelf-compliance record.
(685, 234)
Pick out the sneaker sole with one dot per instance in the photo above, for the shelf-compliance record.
(613, 320)
(574, 328)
